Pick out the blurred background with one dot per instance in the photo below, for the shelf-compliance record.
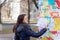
(9, 11)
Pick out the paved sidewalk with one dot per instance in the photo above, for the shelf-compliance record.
(6, 36)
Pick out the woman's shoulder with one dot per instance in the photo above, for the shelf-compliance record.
(26, 26)
(20, 28)
(23, 26)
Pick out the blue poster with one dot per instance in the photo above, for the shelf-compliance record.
(51, 2)
(40, 3)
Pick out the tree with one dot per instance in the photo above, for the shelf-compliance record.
(2, 3)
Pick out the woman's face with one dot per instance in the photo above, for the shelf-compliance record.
(25, 19)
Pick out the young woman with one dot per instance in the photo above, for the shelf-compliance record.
(23, 31)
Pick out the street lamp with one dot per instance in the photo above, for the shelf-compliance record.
(1, 4)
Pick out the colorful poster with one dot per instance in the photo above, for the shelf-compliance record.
(51, 2)
(40, 3)
(51, 19)
(58, 3)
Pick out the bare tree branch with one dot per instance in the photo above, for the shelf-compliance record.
(35, 3)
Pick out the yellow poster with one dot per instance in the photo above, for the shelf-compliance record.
(57, 24)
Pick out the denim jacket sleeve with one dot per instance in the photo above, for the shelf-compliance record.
(34, 34)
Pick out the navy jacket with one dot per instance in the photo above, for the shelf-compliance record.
(24, 32)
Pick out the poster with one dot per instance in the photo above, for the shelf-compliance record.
(51, 19)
